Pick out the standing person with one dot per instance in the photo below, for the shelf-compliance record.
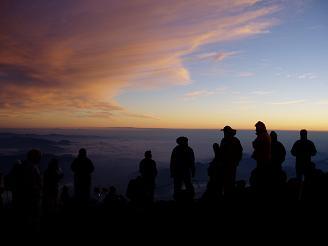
(182, 167)
(82, 168)
(28, 187)
(148, 171)
(262, 146)
(214, 185)
(303, 150)
(278, 151)
(51, 178)
(231, 153)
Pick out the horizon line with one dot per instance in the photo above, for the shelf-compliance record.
(145, 128)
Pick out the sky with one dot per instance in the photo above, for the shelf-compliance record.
(164, 64)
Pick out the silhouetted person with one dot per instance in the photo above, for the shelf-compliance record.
(148, 171)
(231, 153)
(82, 168)
(11, 182)
(278, 151)
(214, 185)
(262, 146)
(51, 178)
(28, 187)
(182, 167)
(137, 192)
(303, 150)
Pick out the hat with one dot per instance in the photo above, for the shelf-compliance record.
(260, 125)
(228, 129)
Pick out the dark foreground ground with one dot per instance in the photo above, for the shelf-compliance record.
(174, 221)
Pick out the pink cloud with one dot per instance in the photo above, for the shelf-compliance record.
(79, 55)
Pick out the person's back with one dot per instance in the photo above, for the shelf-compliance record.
(82, 168)
(182, 160)
(231, 150)
(136, 191)
(147, 167)
(182, 167)
(278, 151)
(51, 178)
(231, 153)
(303, 150)
(262, 145)
(148, 171)
(29, 181)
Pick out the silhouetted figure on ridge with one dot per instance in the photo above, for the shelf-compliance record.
(82, 168)
(137, 192)
(51, 177)
(278, 151)
(148, 171)
(261, 177)
(303, 150)
(214, 185)
(262, 145)
(182, 167)
(27, 184)
(11, 182)
(231, 153)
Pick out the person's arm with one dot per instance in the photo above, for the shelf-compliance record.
(141, 167)
(193, 168)
(314, 150)
(155, 169)
(240, 151)
(173, 163)
(283, 153)
(294, 149)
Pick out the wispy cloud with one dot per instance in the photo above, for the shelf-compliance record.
(288, 102)
(199, 93)
(246, 74)
(305, 76)
(218, 56)
(322, 102)
(78, 55)
(243, 101)
(202, 93)
(262, 93)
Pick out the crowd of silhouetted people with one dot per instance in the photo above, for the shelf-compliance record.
(35, 195)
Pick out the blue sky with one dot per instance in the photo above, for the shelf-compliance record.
(172, 64)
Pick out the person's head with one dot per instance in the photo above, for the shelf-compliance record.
(260, 127)
(34, 156)
(53, 164)
(303, 134)
(82, 152)
(274, 136)
(182, 141)
(228, 131)
(148, 154)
